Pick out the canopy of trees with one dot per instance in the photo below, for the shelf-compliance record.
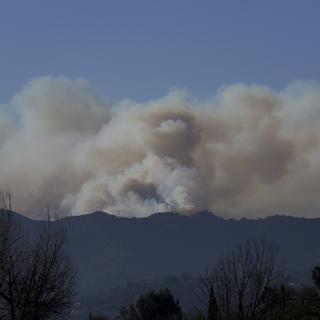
(153, 305)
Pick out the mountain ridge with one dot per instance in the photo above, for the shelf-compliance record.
(173, 213)
(109, 251)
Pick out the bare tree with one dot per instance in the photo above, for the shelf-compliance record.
(237, 287)
(37, 279)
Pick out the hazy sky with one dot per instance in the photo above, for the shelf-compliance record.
(251, 148)
(140, 48)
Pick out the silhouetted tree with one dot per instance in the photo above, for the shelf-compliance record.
(97, 317)
(316, 277)
(37, 279)
(236, 287)
(153, 305)
(212, 306)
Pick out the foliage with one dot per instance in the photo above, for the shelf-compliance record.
(153, 306)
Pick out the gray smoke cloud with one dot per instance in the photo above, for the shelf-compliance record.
(248, 151)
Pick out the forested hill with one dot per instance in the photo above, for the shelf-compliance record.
(110, 251)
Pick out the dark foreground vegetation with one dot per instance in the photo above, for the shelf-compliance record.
(38, 281)
(248, 283)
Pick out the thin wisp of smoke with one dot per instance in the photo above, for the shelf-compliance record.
(248, 151)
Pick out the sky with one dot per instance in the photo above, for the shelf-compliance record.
(139, 49)
(135, 107)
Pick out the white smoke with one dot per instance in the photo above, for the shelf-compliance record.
(247, 151)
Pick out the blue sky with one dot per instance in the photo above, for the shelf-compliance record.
(140, 48)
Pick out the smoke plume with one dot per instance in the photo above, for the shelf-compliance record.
(246, 152)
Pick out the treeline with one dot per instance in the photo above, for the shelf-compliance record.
(248, 283)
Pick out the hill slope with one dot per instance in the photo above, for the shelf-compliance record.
(110, 251)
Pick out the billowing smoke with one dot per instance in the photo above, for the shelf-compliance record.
(247, 151)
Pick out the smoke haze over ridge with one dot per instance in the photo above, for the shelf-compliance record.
(248, 151)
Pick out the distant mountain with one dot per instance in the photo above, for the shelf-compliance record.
(110, 251)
